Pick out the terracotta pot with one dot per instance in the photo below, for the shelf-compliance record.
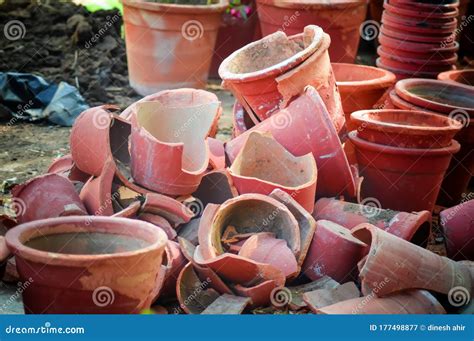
(360, 86)
(171, 135)
(414, 227)
(175, 212)
(376, 9)
(415, 47)
(436, 6)
(405, 128)
(458, 227)
(465, 77)
(393, 264)
(340, 19)
(216, 154)
(404, 74)
(403, 179)
(417, 68)
(406, 302)
(334, 252)
(156, 33)
(413, 10)
(303, 127)
(69, 274)
(396, 33)
(46, 196)
(258, 169)
(65, 166)
(241, 121)
(393, 50)
(414, 61)
(428, 26)
(173, 263)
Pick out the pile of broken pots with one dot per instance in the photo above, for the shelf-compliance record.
(149, 209)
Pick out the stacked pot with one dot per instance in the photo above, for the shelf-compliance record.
(418, 39)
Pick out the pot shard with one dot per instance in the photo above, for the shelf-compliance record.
(414, 227)
(46, 196)
(393, 264)
(305, 127)
(334, 252)
(215, 188)
(458, 227)
(227, 305)
(172, 210)
(405, 302)
(296, 302)
(173, 262)
(169, 150)
(324, 297)
(65, 166)
(117, 273)
(263, 165)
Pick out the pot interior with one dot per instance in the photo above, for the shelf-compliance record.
(440, 93)
(466, 77)
(354, 73)
(404, 118)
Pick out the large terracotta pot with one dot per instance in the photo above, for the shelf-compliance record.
(88, 265)
(465, 77)
(340, 19)
(402, 179)
(170, 45)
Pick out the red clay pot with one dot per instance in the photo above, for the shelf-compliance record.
(69, 274)
(258, 169)
(414, 67)
(414, 47)
(46, 196)
(436, 6)
(393, 50)
(402, 179)
(415, 61)
(465, 77)
(427, 26)
(413, 10)
(173, 263)
(175, 212)
(403, 74)
(334, 252)
(241, 121)
(458, 227)
(360, 87)
(65, 166)
(340, 19)
(396, 33)
(405, 128)
(303, 127)
(157, 33)
(414, 227)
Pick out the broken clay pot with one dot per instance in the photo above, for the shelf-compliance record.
(241, 121)
(320, 298)
(161, 205)
(46, 196)
(68, 273)
(414, 227)
(173, 263)
(65, 166)
(263, 165)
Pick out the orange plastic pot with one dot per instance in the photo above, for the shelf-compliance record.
(341, 19)
(403, 179)
(169, 45)
(465, 77)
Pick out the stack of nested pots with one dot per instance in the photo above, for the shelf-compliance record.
(449, 99)
(418, 38)
(403, 156)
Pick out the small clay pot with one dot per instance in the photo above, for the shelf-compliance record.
(405, 128)
(418, 54)
(433, 6)
(402, 179)
(404, 74)
(397, 33)
(465, 77)
(413, 10)
(414, 47)
(88, 265)
(427, 26)
(414, 62)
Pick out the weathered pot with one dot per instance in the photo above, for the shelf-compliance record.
(334, 252)
(157, 33)
(175, 212)
(465, 77)
(171, 136)
(402, 179)
(46, 196)
(173, 263)
(414, 227)
(69, 274)
(405, 128)
(360, 87)
(258, 169)
(340, 19)
(458, 227)
(393, 264)
(303, 127)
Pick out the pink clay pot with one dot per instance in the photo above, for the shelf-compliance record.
(65, 166)
(340, 19)
(263, 165)
(118, 273)
(465, 77)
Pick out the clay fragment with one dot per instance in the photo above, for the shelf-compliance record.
(189, 231)
(228, 305)
(324, 297)
(297, 303)
(215, 188)
(160, 222)
(174, 211)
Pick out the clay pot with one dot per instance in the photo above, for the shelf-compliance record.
(436, 6)
(69, 274)
(360, 86)
(393, 50)
(402, 179)
(241, 121)
(405, 128)
(458, 227)
(320, 298)
(424, 25)
(414, 227)
(395, 33)
(340, 19)
(46, 196)
(404, 74)
(406, 302)
(65, 166)
(171, 135)
(175, 212)
(303, 127)
(258, 169)
(393, 264)
(173, 263)
(418, 48)
(465, 77)
(413, 10)
(157, 33)
(334, 252)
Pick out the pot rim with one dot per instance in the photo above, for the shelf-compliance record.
(314, 4)
(87, 224)
(447, 24)
(176, 8)
(453, 147)
(405, 72)
(388, 78)
(446, 75)
(452, 12)
(437, 62)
